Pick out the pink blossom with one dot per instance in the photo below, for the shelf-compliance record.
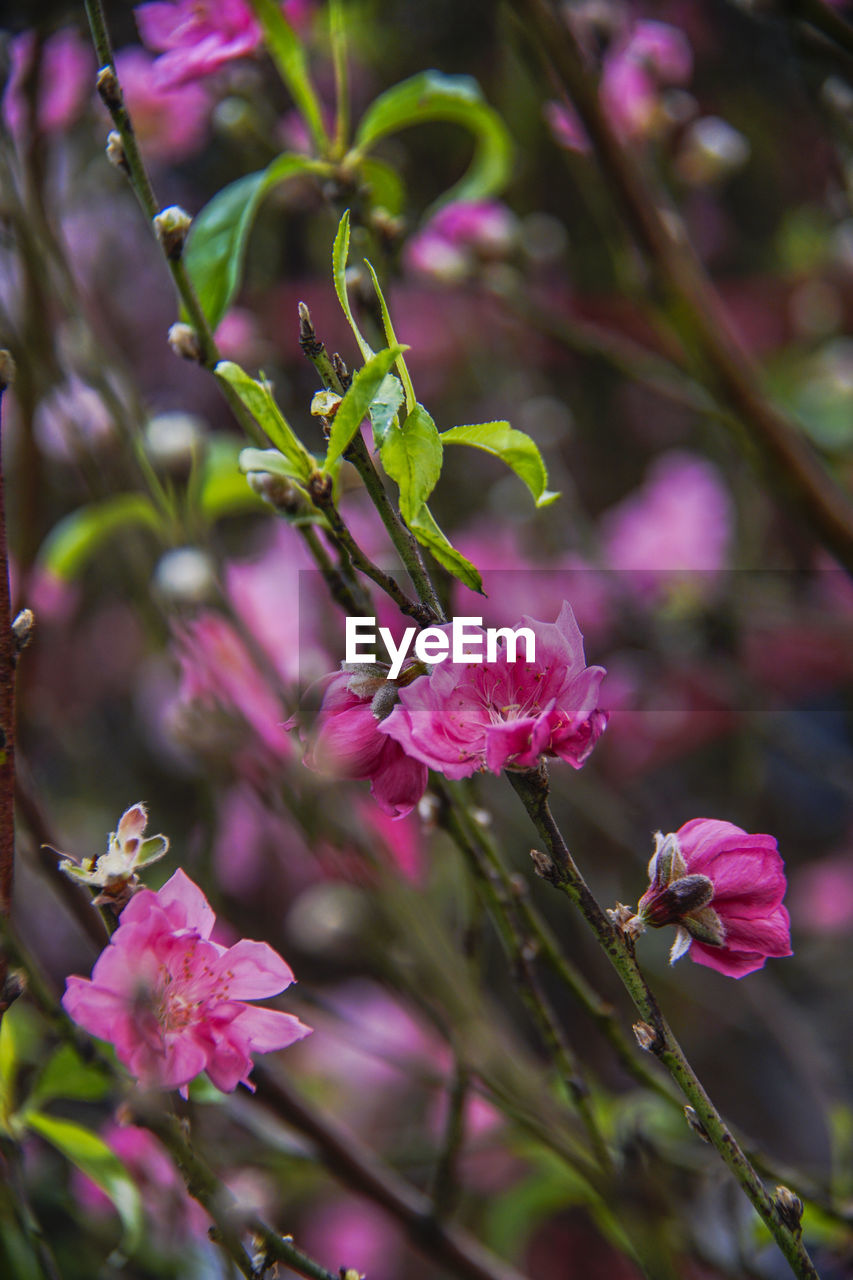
(218, 672)
(675, 531)
(65, 78)
(502, 714)
(651, 55)
(73, 422)
(197, 37)
(461, 234)
(173, 1003)
(823, 895)
(724, 890)
(349, 744)
(170, 121)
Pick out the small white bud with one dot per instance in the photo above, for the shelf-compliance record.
(186, 576)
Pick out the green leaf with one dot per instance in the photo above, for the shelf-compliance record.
(68, 1076)
(258, 399)
(216, 249)
(386, 188)
(411, 455)
(340, 254)
(19, 1038)
(430, 536)
(391, 339)
(73, 542)
(429, 96)
(287, 52)
(515, 448)
(384, 407)
(93, 1157)
(222, 487)
(353, 408)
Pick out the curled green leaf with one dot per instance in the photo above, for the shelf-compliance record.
(515, 448)
(429, 96)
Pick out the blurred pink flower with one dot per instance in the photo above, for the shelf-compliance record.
(724, 890)
(823, 895)
(218, 671)
(73, 421)
(172, 1213)
(173, 1003)
(649, 57)
(349, 744)
(356, 1237)
(460, 235)
(677, 525)
(504, 715)
(197, 37)
(170, 121)
(65, 79)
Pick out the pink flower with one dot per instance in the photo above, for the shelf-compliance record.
(173, 1003)
(218, 672)
(724, 890)
(675, 531)
(197, 37)
(349, 744)
(504, 715)
(65, 79)
(651, 55)
(460, 235)
(170, 121)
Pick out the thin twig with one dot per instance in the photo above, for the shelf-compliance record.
(560, 869)
(8, 661)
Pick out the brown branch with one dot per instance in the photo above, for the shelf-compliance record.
(8, 661)
(355, 1166)
(659, 232)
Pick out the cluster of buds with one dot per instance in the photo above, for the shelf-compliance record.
(115, 874)
(677, 896)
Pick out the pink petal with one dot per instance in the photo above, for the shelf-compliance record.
(269, 1029)
(188, 904)
(251, 971)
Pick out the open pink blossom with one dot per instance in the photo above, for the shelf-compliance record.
(197, 37)
(349, 744)
(173, 1003)
(504, 715)
(724, 890)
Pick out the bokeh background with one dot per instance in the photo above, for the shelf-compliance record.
(164, 661)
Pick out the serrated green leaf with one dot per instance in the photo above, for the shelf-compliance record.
(515, 448)
(386, 188)
(215, 254)
(222, 486)
(353, 408)
(430, 95)
(391, 339)
(288, 53)
(430, 536)
(89, 1153)
(384, 407)
(68, 1076)
(258, 399)
(411, 455)
(72, 542)
(340, 255)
